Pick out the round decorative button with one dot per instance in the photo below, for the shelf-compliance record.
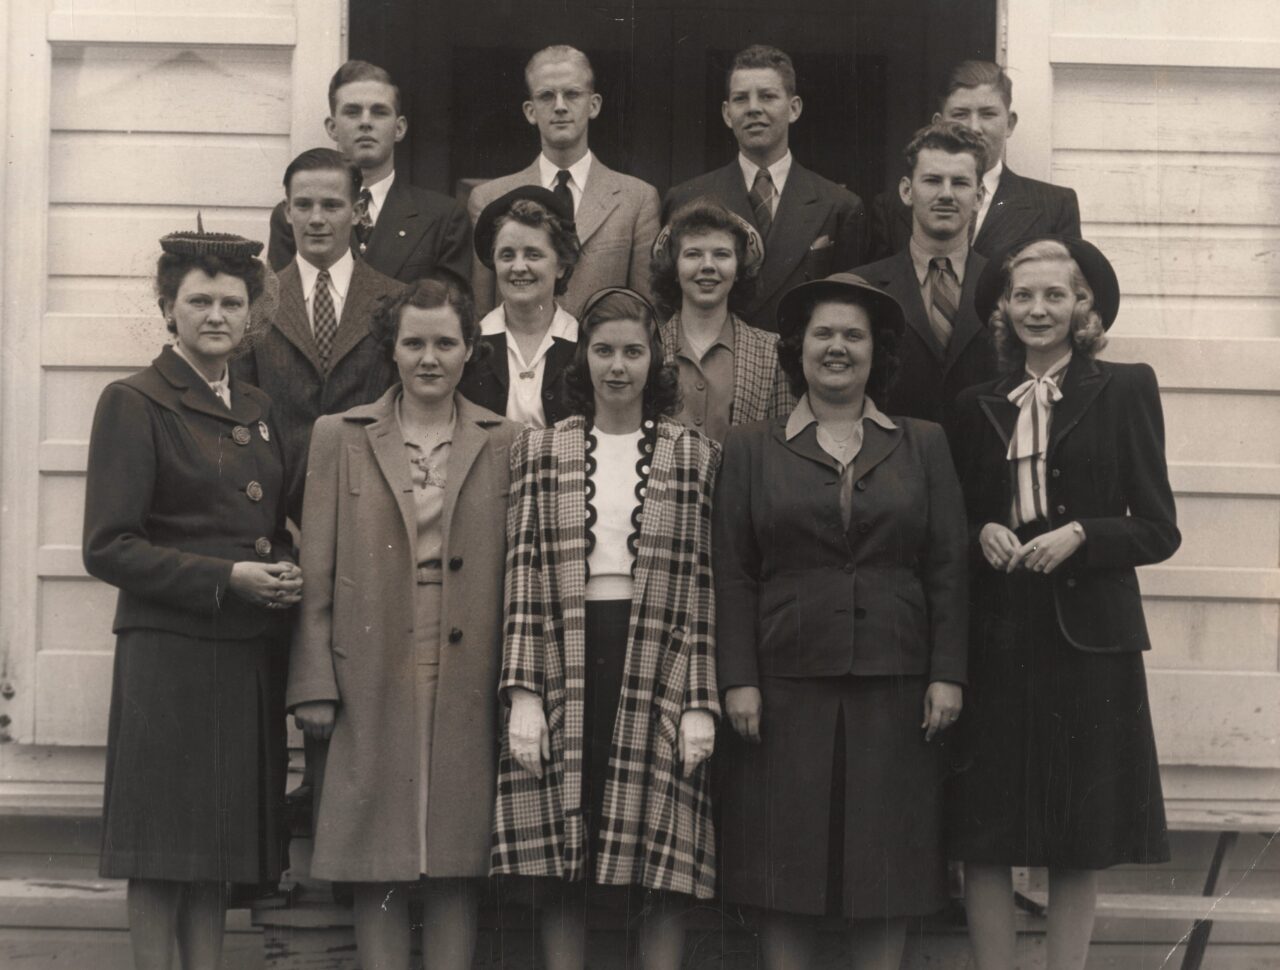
(254, 491)
(455, 635)
(262, 547)
(455, 563)
(860, 485)
(240, 434)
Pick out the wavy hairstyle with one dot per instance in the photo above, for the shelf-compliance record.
(1088, 336)
(440, 288)
(564, 240)
(699, 216)
(662, 383)
(172, 269)
(884, 345)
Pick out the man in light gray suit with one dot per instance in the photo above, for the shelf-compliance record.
(616, 215)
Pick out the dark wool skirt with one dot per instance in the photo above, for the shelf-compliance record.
(1056, 753)
(837, 810)
(196, 760)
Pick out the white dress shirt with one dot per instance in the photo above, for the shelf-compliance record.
(524, 377)
(578, 173)
(339, 282)
(990, 182)
(778, 171)
(378, 194)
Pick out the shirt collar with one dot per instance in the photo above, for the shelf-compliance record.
(958, 254)
(578, 171)
(378, 190)
(803, 416)
(991, 178)
(339, 275)
(778, 171)
(444, 439)
(1055, 370)
(563, 325)
(725, 338)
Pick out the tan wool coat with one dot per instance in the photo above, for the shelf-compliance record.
(355, 644)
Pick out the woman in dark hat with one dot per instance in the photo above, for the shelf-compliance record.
(527, 238)
(185, 514)
(842, 612)
(1063, 467)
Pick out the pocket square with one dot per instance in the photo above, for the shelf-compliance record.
(822, 242)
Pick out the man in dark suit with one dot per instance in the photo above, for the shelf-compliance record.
(811, 227)
(979, 96)
(616, 215)
(945, 347)
(317, 355)
(400, 230)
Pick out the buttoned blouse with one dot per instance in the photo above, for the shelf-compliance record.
(428, 470)
(614, 482)
(1029, 445)
(802, 417)
(706, 382)
(524, 378)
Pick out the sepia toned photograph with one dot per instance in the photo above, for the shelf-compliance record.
(659, 484)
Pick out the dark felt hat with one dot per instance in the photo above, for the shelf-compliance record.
(791, 308)
(486, 224)
(1096, 268)
(201, 243)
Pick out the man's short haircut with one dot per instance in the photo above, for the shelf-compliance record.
(974, 74)
(353, 71)
(324, 160)
(947, 136)
(553, 55)
(763, 56)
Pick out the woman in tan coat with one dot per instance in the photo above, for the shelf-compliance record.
(399, 644)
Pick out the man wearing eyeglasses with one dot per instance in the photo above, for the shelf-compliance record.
(616, 215)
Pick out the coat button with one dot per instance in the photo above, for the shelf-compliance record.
(455, 563)
(262, 546)
(848, 567)
(1062, 510)
(254, 491)
(1056, 473)
(864, 527)
(240, 435)
(859, 613)
(455, 635)
(1071, 583)
(860, 485)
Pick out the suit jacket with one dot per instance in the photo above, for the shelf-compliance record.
(355, 644)
(929, 379)
(819, 229)
(168, 503)
(617, 221)
(487, 380)
(1022, 207)
(284, 361)
(659, 827)
(800, 595)
(1106, 470)
(760, 388)
(417, 230)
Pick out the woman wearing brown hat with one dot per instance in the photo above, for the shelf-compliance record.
(185, 515)
(1063, 467)
(842, 615)
(527, 238)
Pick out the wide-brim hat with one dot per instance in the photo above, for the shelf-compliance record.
(1096, 268)
(884, 308)
(486, 225)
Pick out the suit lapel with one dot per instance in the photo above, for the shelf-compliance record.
(394, 228)
(198, 396)
(729, 189)
(599, 198)
(901, 283)
(1081, 385)
(497, 362)
(795, 226)
(468, 441)
(1000, 411)
(356, 312)
(966, 325)
(291, 319)
(877, 444)
(746, 393)
(1008, 217)
(657, 515)
(388, 449)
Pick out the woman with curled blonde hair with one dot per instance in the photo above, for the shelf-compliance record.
(1063, 468)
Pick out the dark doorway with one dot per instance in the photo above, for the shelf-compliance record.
(867, 72)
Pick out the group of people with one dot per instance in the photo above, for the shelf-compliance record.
(635, 554)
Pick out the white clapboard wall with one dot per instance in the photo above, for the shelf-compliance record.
(124, 119)
(1165, 118)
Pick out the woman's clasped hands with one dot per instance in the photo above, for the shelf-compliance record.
(275, 585)
(1043, 554)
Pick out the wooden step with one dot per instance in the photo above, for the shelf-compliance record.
(1225, 909)
(79, 904)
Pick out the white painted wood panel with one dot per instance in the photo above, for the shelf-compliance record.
(61, 509)
(75, 614)
(1227, 719)
(69, 399)
(1198, 634)
(1199, 261)
(73, 697)
(1248, 316)
(1226, 428)
(1228, 531)
(97, 295)
(1170, 20)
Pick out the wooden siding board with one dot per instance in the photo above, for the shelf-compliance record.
(1216, 718)
(73, 693)
(1203, 261)
(1202, 634)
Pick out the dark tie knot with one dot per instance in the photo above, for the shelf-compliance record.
(562, 177)
(942, 264)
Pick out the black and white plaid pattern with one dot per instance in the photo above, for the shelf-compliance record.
(657, 830)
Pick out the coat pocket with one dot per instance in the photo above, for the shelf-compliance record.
(355, 463)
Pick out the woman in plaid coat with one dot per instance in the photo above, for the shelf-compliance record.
(608, 662)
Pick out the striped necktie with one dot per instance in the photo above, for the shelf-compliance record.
(761, 197)
(944, 299)
(324, 317)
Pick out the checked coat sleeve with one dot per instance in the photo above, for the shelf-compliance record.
(702, 692)
(523, 637)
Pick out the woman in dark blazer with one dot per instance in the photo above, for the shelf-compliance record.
(185, 513)
(1062, 463)
(842, 612)
(527, 238)
(398, 644)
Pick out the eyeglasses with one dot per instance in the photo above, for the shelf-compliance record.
(571, 96)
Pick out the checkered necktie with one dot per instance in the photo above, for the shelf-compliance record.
(561, 190)
(944, 298)
(324, 317)
(363, 225)
(761, 197)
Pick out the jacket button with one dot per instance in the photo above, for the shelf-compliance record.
(547, 395)
(455, 635)
(860, 485)
(1071, 583)
(848, 567)
(240, 435)
(864, 527)
(254, 491)
(262, 546)
(455, 563)
(859, 613)
(1062, 510)
(1056, 473)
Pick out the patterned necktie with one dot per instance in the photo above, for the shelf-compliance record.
(324, 317)
(944, 298)
(363, 225)
(761, 197)
(561, 189)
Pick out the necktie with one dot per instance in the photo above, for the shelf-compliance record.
(761, 197)
(944, 298)
(324, 317)
(363, 225)
(561, 189)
